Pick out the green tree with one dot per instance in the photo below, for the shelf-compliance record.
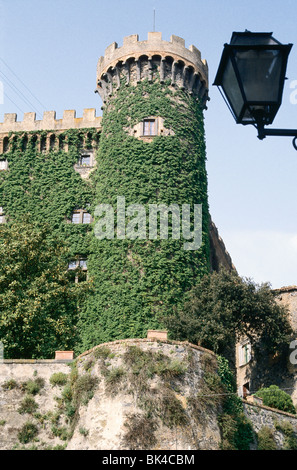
(274, 397)
(39, 301)
(223, 307)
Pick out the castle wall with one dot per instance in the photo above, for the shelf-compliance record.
(49, 121)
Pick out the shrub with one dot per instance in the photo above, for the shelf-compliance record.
(83, 388)
(274, 397)
(28, 432)
(60, 432)
(58, 378)
(9, 384)
(266, 439)
(33, 386)
(113, 377)
(140, 432)
(172, 412)
(290, 438)
(83, 431)
(102, 352)
(28, 405)
(88, 364)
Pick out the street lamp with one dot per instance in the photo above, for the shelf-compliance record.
(251, 78)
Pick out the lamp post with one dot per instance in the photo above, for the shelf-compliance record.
(251, 78)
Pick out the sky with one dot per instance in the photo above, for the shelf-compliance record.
(48, 55)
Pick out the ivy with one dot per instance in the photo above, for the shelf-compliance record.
(45, 186)
(137, 282)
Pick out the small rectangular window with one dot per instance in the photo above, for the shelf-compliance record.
(2, 216)
(76, 217)
(3, 165)
(83, 263)
(85, 160)
(87, 219)
(149, 127)
(72, 265)
(244, 353)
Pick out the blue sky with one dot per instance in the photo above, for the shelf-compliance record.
(49, 51)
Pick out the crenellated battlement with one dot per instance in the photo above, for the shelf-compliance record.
(49, 121)
(136, 60)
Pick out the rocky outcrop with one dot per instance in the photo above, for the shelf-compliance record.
(132, 394)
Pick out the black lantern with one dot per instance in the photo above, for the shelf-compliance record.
(251, 76)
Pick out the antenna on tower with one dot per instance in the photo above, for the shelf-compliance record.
(154, 21)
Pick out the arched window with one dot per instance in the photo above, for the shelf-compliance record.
(43, 144)
(5, 145)
(52, 141)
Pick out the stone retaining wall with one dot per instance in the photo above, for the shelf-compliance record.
(276, 420)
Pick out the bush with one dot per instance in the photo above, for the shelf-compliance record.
(58, 378)
(9, 384)
(266, 439)
(33, 386)
(28, 405)
(27, 433)
(113, 377)
(140, 433)
(290, 438)
(274, 397)
(83, 389)
(103, 352)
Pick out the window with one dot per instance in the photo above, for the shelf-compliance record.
(42, 144)
(149, 127)
(79, 263)
(2, 216)
(79, 269)
(83, 264)
(244, 353)
(52, 141)
(72, 265)
(85, 160)
(5, 144)
(87, 218)
(61, 142)
(76, 217)
(81, 217)
(3, 165)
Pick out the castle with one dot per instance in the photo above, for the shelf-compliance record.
(147, 147)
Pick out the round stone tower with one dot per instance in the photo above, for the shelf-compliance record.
(139, 60)
(151, 241)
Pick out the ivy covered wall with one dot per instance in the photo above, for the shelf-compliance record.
(45, 186)
(137, 282)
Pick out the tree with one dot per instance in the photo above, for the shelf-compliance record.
(38, 299)
(223, 307)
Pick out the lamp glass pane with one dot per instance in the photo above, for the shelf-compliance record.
(231, 88)
(260, 71)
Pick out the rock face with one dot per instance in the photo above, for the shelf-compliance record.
(132, 394)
